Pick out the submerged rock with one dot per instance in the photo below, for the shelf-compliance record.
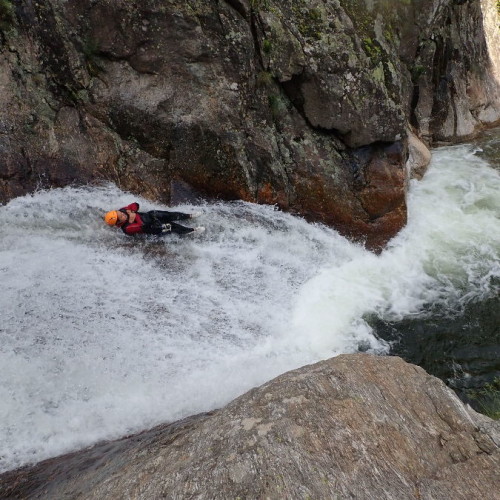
(355, 426)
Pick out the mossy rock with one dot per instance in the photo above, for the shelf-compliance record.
(7, 15)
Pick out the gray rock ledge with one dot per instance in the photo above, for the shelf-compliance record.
(351, 427)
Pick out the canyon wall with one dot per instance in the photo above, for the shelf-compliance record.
(319, 107)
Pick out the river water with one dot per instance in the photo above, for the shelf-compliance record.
(103, 335)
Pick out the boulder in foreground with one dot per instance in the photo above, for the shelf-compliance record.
(355, 426)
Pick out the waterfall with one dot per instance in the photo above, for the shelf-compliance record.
(103, 334)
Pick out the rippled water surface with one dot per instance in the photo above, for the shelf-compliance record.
(102, 335)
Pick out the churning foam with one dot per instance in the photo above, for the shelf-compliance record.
(102, 335)
(447, 254)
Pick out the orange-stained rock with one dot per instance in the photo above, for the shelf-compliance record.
(269, 102)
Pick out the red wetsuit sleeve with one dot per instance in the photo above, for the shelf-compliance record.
(134, 228)
(133, 207)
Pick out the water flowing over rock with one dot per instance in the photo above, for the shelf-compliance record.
(355, 426)
(306, 105)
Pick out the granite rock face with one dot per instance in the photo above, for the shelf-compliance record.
(355, 426)
(306, 105)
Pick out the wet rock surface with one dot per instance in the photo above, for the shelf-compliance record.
(306, 105)
(355, 426)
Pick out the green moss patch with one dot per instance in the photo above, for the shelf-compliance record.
(487, 399)
(7, 15)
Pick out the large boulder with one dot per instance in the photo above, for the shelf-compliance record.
(355, 426)
(301, 104)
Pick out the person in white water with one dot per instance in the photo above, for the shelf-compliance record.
(158, 222)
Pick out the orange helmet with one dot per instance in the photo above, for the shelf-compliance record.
(111, 218)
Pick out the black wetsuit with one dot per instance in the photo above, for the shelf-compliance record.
(158, 222)
(154, 222)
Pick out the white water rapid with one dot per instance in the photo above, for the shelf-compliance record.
(102, 335)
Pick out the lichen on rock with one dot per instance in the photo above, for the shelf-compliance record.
(266, 101)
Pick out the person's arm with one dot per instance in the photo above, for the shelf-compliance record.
(134, 228)
(131, 210)
(133, 207)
